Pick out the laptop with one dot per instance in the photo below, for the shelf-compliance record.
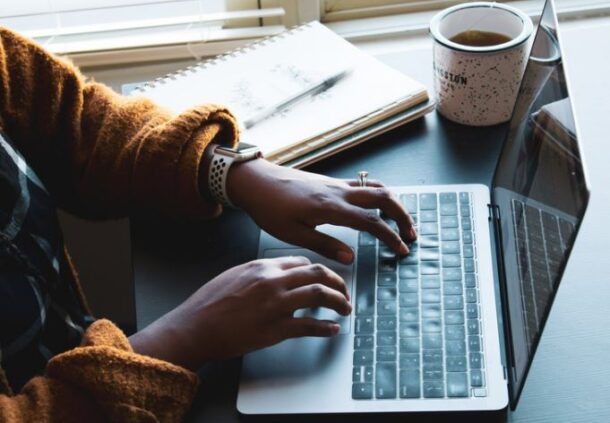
(454, 325)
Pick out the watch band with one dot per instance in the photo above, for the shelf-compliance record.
(217, 177)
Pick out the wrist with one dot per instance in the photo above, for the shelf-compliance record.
(240, 180)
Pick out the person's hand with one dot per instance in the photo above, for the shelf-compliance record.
(289, 204)
(248, 307)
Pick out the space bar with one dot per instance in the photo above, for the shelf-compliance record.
(365, 281)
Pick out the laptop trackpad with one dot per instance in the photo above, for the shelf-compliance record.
(345, 271)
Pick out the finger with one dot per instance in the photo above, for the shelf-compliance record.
(368, 221)
(315, 295)
(381, 198)
(307, 326)
(315, 273)
(369, 183)
(323, 244)
(289, 262)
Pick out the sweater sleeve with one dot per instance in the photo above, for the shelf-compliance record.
(99, 154)
(102, 380)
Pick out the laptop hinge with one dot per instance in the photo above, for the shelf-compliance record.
(496, 227)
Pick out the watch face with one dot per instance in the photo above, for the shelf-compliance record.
(243, 147)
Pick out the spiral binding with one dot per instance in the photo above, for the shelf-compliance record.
(205, 64)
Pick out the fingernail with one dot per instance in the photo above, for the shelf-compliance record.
(404, 250)
(413, 233)
(335, 329)
(345, 256)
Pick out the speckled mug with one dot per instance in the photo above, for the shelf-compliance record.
(478, 85)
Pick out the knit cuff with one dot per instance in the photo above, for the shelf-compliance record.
(128, 386)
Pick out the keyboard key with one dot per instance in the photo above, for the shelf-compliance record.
(409, 384)
(366, 239)
(428, 216)
(411, 258)
(452, 260)
(453, 302)
(431, 325)
(469, 265)
(471, 295)
(474, 343)
(455, 348)
(387, 265)
(409, 329)
(456, 363)
(430, 268)
(363, 342)
(472, 311)
(408, 314)
(449, 210)
(386, 253)
(410, 345)
(408, 285)
(457, 385)
(449, 222)
(465, 210)
(428, 229)
(464, 198)
(433, 389)
(454, 317)
(450, 234)
(386, 353)
(466, 224)
(408, 272)
(432, 360)
(408, 300)
(447, 198)
(476, 360)
(431, 311)
(473, 327)
(357, 374)
(431, 296)
(452, 288)
(467, 237)
(430, 281)
(365, 325)
(368, 373)
(470, 280)
(428, 241)
(363, 357)
(409, 201)
(468, 251)
(365, 285)
(427, 201)
(409, 361)
(455, 333)
(386, 294)
(386, 338)
(476, 378)
(433, 374)
(452, 274)
(386, 308)
(450, 247)
(362, 391)
(432, 341)
(386, 279)
(386, 323)
(430, 254)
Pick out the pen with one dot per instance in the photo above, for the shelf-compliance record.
(308, 92)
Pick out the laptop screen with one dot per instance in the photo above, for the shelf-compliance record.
(540, 191)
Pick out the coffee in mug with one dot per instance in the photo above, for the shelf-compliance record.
(480, 53)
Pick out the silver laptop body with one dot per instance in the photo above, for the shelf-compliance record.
(453, 327)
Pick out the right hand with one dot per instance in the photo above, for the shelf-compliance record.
(245, 308)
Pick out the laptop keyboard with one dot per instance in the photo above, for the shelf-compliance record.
(417, 318)
(542, 240)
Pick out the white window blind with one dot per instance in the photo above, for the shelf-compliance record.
(89, 26)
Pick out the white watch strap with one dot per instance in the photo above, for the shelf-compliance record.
(217, 178)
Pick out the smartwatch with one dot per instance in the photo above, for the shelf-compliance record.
(222, 159)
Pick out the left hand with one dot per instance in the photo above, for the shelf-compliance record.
(289, 204)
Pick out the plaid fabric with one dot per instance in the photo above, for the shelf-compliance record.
(40, 315)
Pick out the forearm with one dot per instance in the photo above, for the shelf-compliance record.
(99, 154)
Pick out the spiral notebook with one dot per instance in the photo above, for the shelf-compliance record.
(371, 99)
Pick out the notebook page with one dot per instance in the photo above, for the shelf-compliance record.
(261, 77)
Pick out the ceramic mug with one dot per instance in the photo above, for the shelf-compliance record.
(478, 85)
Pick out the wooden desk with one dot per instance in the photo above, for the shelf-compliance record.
(568, 380)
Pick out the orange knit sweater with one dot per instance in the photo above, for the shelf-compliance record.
(102, 156)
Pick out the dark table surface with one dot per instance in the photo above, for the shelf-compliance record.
(568, 378)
